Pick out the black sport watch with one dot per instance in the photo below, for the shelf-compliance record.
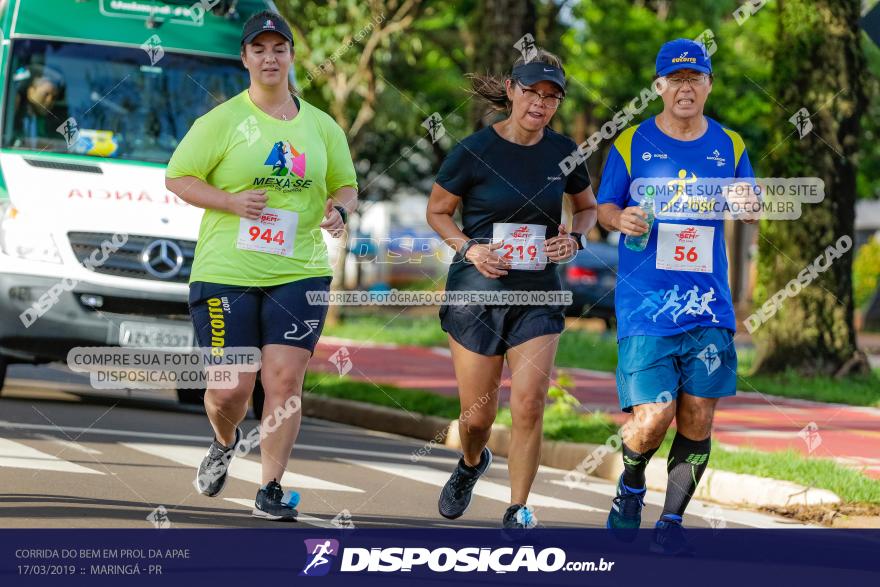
(580, 239)
(342, 212)
(464, 249)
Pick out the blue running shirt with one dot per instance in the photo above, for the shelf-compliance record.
(684, 284)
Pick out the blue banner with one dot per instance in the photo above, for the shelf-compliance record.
(294, 555)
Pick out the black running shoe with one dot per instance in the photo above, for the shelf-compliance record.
(273, 503)
(670, 539)
(211, 476)
(455, 497)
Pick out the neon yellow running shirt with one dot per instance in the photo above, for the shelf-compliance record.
(300, 162)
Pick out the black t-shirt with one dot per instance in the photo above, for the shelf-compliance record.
(502, 182)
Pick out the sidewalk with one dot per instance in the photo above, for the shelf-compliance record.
(848, 434)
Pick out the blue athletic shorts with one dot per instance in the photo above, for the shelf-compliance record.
(240, 316)
(700, 362)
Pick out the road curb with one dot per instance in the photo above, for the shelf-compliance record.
(601, 461)
(375, 417)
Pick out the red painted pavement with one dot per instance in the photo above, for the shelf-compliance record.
(848, 434)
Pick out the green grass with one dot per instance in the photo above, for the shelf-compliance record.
(857, 390)
(587, 350)
(577, 348)
(594, 428)
(403, 329)
(590, 350)
(851, 485)
(412, 400)
(561, 423)
(789, 465)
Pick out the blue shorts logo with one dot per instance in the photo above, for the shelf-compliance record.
(320, 554)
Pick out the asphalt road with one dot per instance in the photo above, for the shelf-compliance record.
(68, 461)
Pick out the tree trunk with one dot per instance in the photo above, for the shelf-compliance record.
(818, 65)
(500, 24)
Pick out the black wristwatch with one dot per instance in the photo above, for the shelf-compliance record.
(464, 249)
(342, 212)
(580, 239)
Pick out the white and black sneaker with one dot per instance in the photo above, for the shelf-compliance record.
(273, 503)
(519, 517)
(455, 497)
(517, 521)
(211, 476)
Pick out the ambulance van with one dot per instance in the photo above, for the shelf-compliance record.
(96, 95)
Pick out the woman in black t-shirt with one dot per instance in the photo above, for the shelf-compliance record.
(510, 183)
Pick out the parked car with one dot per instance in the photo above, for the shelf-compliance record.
(591, 277)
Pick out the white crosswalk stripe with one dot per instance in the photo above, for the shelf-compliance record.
(484, 487)
(432, 470)
(21, 456)
(304, 518)
(69, 444)
(239, 468)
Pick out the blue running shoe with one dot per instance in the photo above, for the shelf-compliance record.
(625, 516)
(670, 539)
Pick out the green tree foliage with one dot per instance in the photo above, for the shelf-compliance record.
(818, 65)
(388, 65)
(866, 272)
(869, 145)
(611, 46)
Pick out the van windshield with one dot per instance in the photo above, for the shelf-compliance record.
(110, 102)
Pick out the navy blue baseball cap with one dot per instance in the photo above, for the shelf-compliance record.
(538, 71)
(683, 54)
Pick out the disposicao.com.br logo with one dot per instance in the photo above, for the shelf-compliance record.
(320, 555)
(322, 552)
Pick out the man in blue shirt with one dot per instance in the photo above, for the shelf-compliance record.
(677, 358)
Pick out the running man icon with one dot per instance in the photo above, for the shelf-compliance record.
(671, 297)
(692, 304)
(318, 555)
(707, 297)
(652, 301)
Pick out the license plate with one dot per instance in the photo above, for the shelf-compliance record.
(143, 335)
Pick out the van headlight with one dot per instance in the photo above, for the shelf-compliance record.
(24, 241)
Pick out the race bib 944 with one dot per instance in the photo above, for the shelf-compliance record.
(273, 233)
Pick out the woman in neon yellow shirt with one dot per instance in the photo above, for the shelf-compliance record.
(271, 171)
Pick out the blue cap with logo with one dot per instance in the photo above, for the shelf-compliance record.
(683, 54)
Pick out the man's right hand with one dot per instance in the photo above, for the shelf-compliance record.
(247, 204)
(631, 221)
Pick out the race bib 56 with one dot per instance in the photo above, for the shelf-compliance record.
(681, 247)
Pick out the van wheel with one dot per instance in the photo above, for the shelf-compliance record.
(4, 363)
(258, 399)
(191, 397)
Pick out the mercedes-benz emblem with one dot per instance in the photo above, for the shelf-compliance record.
(162, 258)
